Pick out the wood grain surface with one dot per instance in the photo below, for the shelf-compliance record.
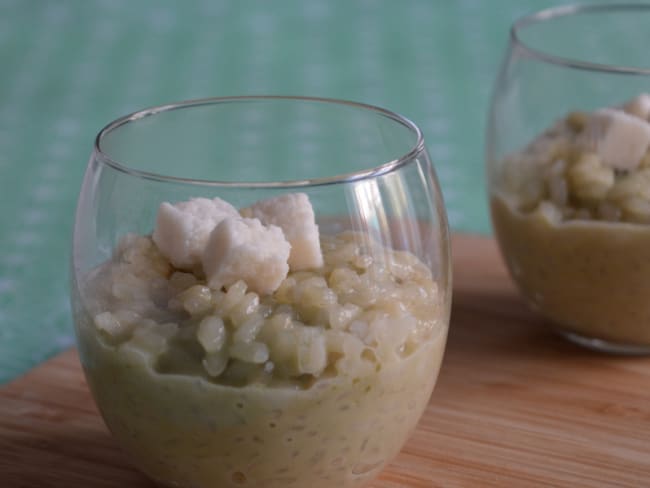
(514, 406)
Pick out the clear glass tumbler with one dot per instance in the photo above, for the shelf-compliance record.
(569, 171)
(317, 381)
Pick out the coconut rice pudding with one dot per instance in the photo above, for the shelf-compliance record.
(571, 212)
(242, 348)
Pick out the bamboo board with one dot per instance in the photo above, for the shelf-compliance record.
(514, 406)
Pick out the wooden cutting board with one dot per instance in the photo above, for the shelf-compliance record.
(514, 406)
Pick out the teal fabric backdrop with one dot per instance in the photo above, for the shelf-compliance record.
(67, 67)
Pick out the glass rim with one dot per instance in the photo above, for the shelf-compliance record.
(381, 169)
(574, 10)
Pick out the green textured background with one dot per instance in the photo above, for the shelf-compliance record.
(67, 67)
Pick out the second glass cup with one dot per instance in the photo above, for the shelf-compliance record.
(568, 166)
(281, 320)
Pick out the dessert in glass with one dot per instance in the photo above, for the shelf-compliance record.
(568, 165)
(261, 289)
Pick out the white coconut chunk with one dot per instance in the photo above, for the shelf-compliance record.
(619, 139)
(182, 229)
(244, 249)
(294, 214)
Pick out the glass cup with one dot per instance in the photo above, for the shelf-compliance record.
(568, 171)
(317, 381)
